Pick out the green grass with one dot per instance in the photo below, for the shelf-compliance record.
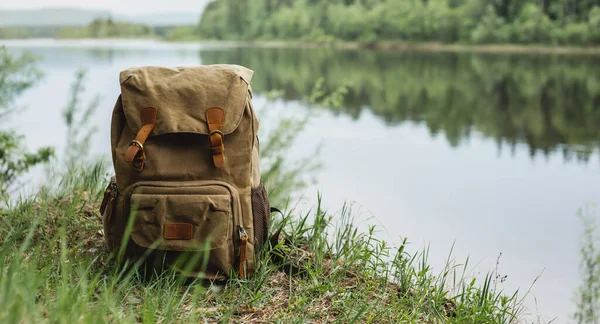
(587, 296)
(56, 269)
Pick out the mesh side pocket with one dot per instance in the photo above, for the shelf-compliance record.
(261, 215)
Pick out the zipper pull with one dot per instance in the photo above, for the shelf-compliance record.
(242, 232)
(243, 247)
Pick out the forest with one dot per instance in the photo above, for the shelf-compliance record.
(556, 22)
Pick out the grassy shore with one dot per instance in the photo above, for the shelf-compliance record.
(409, 46)
(380, 46)
(56, 269)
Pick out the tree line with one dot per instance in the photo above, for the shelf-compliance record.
(558, 22)
(107, 28)
(101, 28)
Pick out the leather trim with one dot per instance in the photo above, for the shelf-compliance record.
(214, 119)
(135, 150)
(178, 231)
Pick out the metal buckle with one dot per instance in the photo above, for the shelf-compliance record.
(138, 144)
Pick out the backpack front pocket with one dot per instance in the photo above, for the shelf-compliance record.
(191, 218)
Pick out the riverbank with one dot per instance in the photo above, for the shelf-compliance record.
(56, 268)
(414, 46)
(377, 46)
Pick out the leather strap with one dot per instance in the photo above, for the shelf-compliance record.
(105, 200)
(242, 263)
(135, 152)
(214, 119)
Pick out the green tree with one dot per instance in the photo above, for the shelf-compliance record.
(491, 29)
(532, 25)
(594, 24)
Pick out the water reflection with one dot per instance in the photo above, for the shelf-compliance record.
(550, 103)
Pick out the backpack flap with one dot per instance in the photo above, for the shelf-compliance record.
(207, 99)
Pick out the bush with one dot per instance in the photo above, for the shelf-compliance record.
(532, 26)
(213, 24)
(572, 33)
(441, 23)
(292, 22)
(491, 29)
(401, 20)
(182, 33)
(594, 25)
(349, 22)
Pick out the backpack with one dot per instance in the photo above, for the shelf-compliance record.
(187, 192)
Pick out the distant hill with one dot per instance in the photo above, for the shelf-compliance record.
(50, 16)
(82, 17)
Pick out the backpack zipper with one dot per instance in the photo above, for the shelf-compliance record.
(243, 247)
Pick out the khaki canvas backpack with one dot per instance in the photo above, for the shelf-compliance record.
(187, 182)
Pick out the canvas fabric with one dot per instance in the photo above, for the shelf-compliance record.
(184, 210)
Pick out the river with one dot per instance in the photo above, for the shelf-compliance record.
(488, 154)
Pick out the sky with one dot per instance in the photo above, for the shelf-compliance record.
(115, 6)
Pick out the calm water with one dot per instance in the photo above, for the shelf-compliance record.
(494, 154)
